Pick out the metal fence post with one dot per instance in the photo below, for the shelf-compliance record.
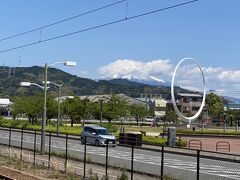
(66, 155)
(34, 148)
(162, 162)
(10, 134)
(49, 149)
(106, 159)
(84, 163)
(21, 144)
(132, 162)
(198, 163)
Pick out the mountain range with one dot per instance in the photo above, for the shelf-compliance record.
(10, 79)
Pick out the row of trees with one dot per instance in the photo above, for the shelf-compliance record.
(77, 109)
(114, 108)
(214, 106)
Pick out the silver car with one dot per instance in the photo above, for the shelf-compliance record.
(98, 136)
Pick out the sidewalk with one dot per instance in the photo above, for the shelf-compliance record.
(209, 142)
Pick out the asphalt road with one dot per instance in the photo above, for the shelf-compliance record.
(146, 161)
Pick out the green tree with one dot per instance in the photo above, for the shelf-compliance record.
(52, 107)
(138, 112)
(71, 108)
(31, 106)
(232, 115)
(115, 108)
(76, 109)
(94, 109)
(170, 116)
(214, 105)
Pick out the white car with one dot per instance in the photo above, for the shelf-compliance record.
(98, 136)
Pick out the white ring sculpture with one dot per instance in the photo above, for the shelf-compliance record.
(180, 115)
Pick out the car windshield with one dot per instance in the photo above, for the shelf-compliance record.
(102, 132)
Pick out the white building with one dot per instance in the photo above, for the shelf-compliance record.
(5, 106)
(160, 108)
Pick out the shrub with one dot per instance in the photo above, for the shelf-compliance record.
(91, 175)
(3, 121)
(15, 123)
(111, 127)
(181, 143)
(23, 125)
(105, 178)
(122, 176)
(154, 141)
(52, 123)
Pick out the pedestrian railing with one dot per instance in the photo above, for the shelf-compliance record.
(195, 144)
(223, 146)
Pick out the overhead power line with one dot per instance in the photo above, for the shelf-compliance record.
(63, 20)
(99, 26)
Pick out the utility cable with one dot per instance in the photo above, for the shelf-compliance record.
(99, 26)
(63, 20)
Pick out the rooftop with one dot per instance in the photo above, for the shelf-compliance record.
(189, 95)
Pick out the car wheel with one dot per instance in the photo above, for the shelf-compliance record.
(96, 143)
(82, 141)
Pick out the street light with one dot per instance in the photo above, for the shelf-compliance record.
(43, 125)
(66, 63)
(27, 84)
(59, 110)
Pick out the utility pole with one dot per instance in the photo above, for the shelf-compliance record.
(101, 101)
(9, 72)
(59, 114)
(44, 112)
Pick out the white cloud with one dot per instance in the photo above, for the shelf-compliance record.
(233, 76)
(211, 69)
(185, 82)
(188, 76)
(136, 69)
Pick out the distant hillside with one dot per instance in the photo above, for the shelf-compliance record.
(127, 82)
(72, 85)
(231, 99)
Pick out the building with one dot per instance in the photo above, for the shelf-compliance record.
(106, 97)
(5, 107)
(156, 103)
(232, 106)
(160, 108)
(189, 103)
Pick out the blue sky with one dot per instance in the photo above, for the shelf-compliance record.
(205, 30)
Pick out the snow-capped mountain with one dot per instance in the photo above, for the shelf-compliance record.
(149, 80)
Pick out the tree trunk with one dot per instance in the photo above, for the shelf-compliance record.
(137, 118)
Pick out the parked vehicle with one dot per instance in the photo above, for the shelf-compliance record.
(149, 119)
(98, 136)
